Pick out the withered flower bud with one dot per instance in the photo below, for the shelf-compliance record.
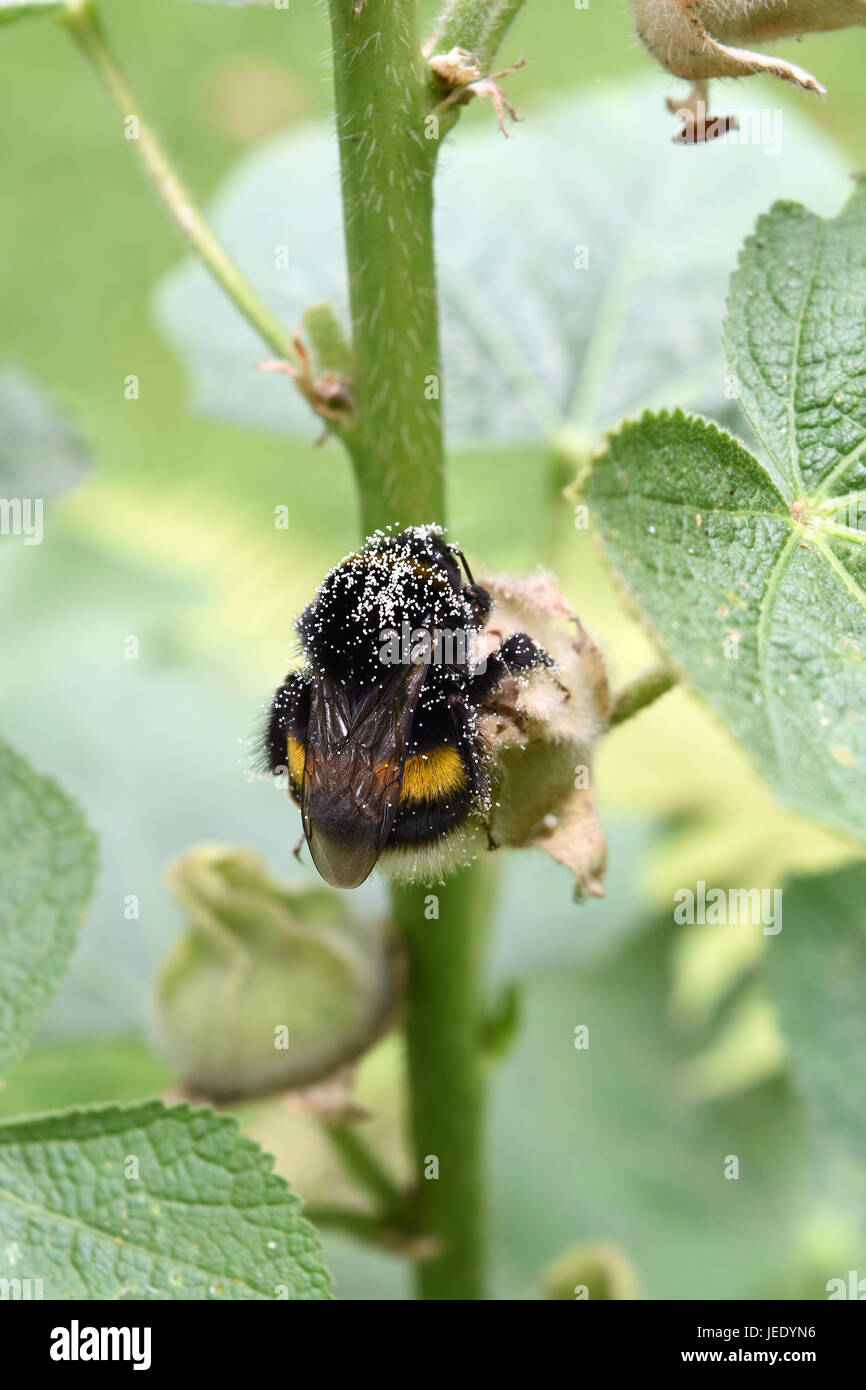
(700, 39)
(541, 730)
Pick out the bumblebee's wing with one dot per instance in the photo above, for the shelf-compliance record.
(353, 770)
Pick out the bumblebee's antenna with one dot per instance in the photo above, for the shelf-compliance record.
(455, 550)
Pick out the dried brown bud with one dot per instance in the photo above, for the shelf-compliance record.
(455, 68)
(542, 729)
(460, 79)
(700, 39)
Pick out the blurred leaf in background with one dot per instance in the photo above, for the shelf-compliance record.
(816, 974)
(599, 1142)
(71, 1072)
(40, 453)
(579, 280)
(25, 9)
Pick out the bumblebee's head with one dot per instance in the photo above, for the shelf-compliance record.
(396, 586)
(479, 601)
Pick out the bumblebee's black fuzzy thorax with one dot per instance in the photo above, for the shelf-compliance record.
(403, 584)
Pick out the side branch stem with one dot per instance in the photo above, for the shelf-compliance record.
(86, 29)
(479, 26)
(646, 687)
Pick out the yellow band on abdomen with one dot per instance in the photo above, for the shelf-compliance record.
(295, 758)
(428, 776)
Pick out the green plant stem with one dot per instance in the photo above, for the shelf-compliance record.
(642, 691)
(85, 27)
(479, 26)
(387, 181)
(365, 1166)
(387, 170)
(443, 1032)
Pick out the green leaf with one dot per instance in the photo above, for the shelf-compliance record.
(21, 9)
(796, 342)
(817, 973)
(197, 1215)
(47, 869)
(752, 575)
(40, 453)
(533, 345)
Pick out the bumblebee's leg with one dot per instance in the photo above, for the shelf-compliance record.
(520, 653)
(289, 714)
(517, 653)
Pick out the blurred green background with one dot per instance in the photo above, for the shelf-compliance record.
(171, 539)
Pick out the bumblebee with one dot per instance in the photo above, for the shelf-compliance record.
(378, 734)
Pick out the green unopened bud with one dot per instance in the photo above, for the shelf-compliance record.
(597, 1272)
(270, 988)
